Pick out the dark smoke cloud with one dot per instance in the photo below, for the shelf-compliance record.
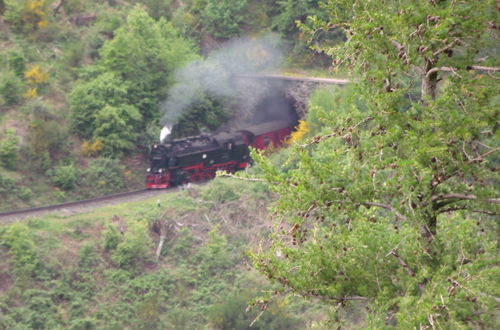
(216, 76)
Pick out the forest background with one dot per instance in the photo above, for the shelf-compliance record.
(386, 211)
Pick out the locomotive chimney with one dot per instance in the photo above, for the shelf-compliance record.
(165, 132)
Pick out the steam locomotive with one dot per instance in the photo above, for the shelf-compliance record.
(198, 158)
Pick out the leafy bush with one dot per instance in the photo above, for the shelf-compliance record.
(74, 54)
(46, 135)
(11, 88)
(64, 177)
(25, 193)
(16, 62)
(91, 149)
(103, 175)
(83, 324)
(9, 150)
(7, 184)
(26, 15)
(111, 237)
(219, 192)
(117, 128)
(21, 244)
(133, 247)
(88, 97)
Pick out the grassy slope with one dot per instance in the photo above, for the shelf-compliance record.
(202, 278)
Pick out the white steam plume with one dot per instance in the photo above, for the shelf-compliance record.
(215, 74)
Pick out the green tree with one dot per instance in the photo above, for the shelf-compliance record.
(393, 203)
(291, 11)
(89, 97)
(116, 127)
(220, 18)
(144, 53)
(121, 93)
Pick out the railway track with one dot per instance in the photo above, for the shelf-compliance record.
(79, 206)
(331, 81)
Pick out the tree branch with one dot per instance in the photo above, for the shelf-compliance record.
(402, 262)
(459, 196)
(461, 208)
(318, 139)
(387, 207)
(446, 48)
(484, 68)
(443, 68)
(470, 67)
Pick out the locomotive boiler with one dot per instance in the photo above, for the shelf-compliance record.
(198, 158)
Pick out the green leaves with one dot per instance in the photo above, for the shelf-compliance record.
(383, 201)
(121, 93)
(221, 18)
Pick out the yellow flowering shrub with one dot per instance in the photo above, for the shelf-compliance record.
(35, 13)
(300, 130)
(35, 76)
(91, 149)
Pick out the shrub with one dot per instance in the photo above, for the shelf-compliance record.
(91, 149)
(36, 76)
(16, 62)
(21, 244)
(103, 175)
(46, 134)
(26, 15)
(7, 184)
(25, 193)
(88, 256)
(111, 237)
(9, 150)
(11, 88)
(219, 191)
(116, 127)
(64, 177)
(134, 246)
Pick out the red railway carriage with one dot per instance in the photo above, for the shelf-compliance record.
(198, 158)
(264, 135)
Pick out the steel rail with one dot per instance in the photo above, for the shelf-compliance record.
(334, 81)
(26, 212)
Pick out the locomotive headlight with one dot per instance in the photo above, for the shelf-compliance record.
(160, 170)
(148, 170)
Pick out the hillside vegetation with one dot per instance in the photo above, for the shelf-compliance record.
(101, 269)
(81, 84)
(382, 212)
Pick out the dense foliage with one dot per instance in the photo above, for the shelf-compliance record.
(392, 207)
(98, 270)
(128, 82)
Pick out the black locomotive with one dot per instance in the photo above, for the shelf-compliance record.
(198, 158)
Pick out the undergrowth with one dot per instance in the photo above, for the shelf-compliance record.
(99, 269)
